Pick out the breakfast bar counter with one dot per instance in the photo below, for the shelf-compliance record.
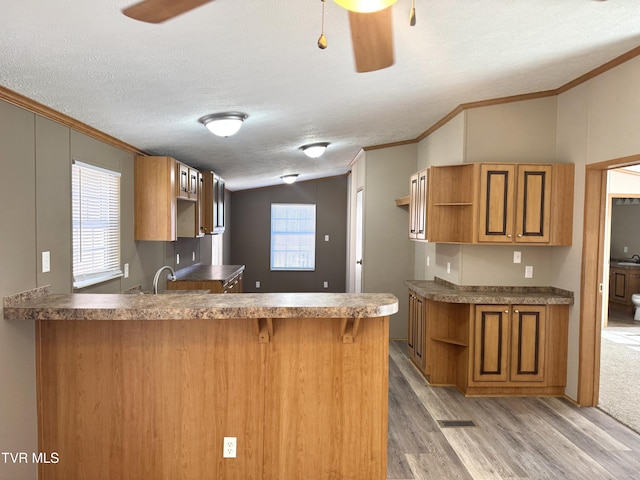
(135, 386)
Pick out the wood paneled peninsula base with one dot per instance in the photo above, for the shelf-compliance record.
(146, 387)
(490, 340)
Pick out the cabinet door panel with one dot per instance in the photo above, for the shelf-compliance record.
(496, 203)
(619, 284)
(533, 203)
(527, 344)
(491, 333)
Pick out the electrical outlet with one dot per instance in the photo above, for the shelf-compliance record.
(177, 259)
(448, 267)
(625, 249)
(326, 284)
(193, 256)
(46, 262)
(528, 271)
(326, 238)
(517, 257)
(258, 284)
(229, 447)
(126, 270)
(428, 260)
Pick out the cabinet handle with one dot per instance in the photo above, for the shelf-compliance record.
(509, 235)
(506, 311)
(516, 311)
(519, 235)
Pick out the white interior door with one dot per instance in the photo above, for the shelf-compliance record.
(359, 241)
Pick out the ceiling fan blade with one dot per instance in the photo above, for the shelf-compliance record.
(372, 37)
(157, 11)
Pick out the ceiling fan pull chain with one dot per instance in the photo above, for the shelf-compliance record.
(412, 14)
(322, 41)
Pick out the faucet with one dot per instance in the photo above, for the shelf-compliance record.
(171, 277)
(636, 257)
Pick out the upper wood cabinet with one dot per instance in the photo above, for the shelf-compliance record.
(214, 203)
(155, 199)
(418, 206)
(501, 203)
(165, 207)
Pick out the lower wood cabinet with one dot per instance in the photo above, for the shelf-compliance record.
(416, 340)
(490, 349)
(214, 286)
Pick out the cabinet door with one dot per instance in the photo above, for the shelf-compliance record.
(219, 205)
(533, 207)
(200, 206)
(411, 334)
(528, 327)
(183, 181)
(194, 184)
(496, 203)
(491, 341)
(419, 338)
(413, 206)
(421, 223)
(618, 291)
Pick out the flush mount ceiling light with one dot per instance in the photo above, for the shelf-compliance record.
(365, 6)
(224, 124)
(289, 178)
(314, 150)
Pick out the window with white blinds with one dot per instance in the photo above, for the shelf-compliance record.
(293, 236)
(95, 205)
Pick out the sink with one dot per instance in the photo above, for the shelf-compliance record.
(628, 264)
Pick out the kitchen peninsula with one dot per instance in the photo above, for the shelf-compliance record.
(490, 340)
(147, 386)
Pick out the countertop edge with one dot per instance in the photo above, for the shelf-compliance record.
(203, 306)
(440, 291)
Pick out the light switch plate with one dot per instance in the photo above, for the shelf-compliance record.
(517, 257)
(126, 270)
(46, 262)
(528, 271)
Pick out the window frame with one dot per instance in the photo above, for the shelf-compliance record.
(273, 234)
(107, 216)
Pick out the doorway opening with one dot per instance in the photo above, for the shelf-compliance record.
(595, 275)
(619, 392)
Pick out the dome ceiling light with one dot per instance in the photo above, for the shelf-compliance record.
(289, 178)
(314, 150)
(224, 124)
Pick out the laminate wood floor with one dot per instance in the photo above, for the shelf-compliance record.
(513, 437)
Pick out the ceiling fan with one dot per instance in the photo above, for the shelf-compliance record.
(370, 22)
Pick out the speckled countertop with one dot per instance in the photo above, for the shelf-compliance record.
(442, 291)
(40, 305)
(203, 273)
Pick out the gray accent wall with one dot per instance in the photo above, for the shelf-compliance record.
(35, 211)
(250, 235)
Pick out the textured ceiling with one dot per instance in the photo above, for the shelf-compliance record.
(148, 84)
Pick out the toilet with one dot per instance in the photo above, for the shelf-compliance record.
(635, 299)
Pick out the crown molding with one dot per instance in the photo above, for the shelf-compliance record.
(625, 57)
(39, 109)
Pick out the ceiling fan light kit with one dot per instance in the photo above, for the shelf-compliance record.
(314, 150)
(365, 6)
(224, 124)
